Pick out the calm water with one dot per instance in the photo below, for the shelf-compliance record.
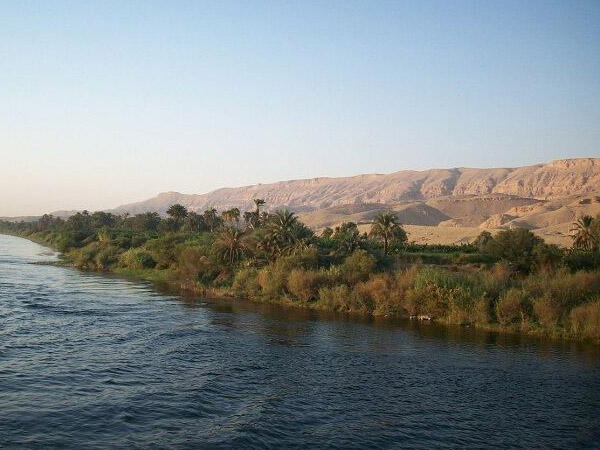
(89, 361)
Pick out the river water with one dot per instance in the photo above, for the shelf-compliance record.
(93, 361)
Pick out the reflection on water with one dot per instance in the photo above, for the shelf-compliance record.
(89, 361)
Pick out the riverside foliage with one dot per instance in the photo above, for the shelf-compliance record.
(511, 281)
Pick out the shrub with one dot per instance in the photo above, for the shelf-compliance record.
(304, 284)
(164, 250)
(510, 308)
(245, 282)
(336, 298)
(547, 310)
(273, 279)
(136, 258)
(585, 320)
(106, 257)
(515, 246)
(378, 293)
(581, 260)
(83, 258)
(566, 289)
(194, 265)
(358, 266)
(496, 280)
(307, 258)
(546, 257)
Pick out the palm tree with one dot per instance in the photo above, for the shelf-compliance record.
(194, 222)
(258, 202)
(211, 219)
(231, 215)
(387, 229)
(229, 245)
(585, 233)
(177, 212)
(282, 229)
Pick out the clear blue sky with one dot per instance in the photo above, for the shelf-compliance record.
(109, 102)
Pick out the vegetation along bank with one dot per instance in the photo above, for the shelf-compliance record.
(510, 281)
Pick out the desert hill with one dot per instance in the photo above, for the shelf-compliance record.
(541, 182)
(437, 205)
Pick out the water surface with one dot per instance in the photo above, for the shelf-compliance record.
(92, 361)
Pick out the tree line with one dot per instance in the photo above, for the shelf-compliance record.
(512, 279)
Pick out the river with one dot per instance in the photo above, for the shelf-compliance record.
(95, 361)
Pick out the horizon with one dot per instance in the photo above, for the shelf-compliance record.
(109, 104)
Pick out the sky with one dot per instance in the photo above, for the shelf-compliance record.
(104, 103)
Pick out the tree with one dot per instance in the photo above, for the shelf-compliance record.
(585, 233)
(387, 229)
(285, 232)
(177, 212)
(281, 228)
(148, 221)
(347, 238)
(515, 246)
(229, 245)
(482, 240)
(194, 223)
(212, 219)
(327, 233)
(258, 202)
(231, 215)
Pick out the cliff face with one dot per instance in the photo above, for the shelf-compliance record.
(553, 180)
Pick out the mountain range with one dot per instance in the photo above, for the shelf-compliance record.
(437, 205)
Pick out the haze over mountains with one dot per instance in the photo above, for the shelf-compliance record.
(544, 197)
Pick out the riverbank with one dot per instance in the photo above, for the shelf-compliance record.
(462, 298)
(510, 282)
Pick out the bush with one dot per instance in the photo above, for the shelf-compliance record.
(136, 258)
(273, 279)
(106, 257)
(585, 320)
(379, 293)
(566, 289)
(547, 310)
(510, 308)
(164, 250)
(581, 260)
(336, 298)
(358, 266)
(245, 282)
(547, 257)
(194, 265)
(304, 284)
(307, 258)
(515, 246)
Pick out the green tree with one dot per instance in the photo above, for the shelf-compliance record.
(177, 212)
(258, 202)
(229, 245)
(515, 246)
(281, 227)
(212, 219)
(585, 233)
(386, 229)
(347, 238)
(231, 215)
(194, 223)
